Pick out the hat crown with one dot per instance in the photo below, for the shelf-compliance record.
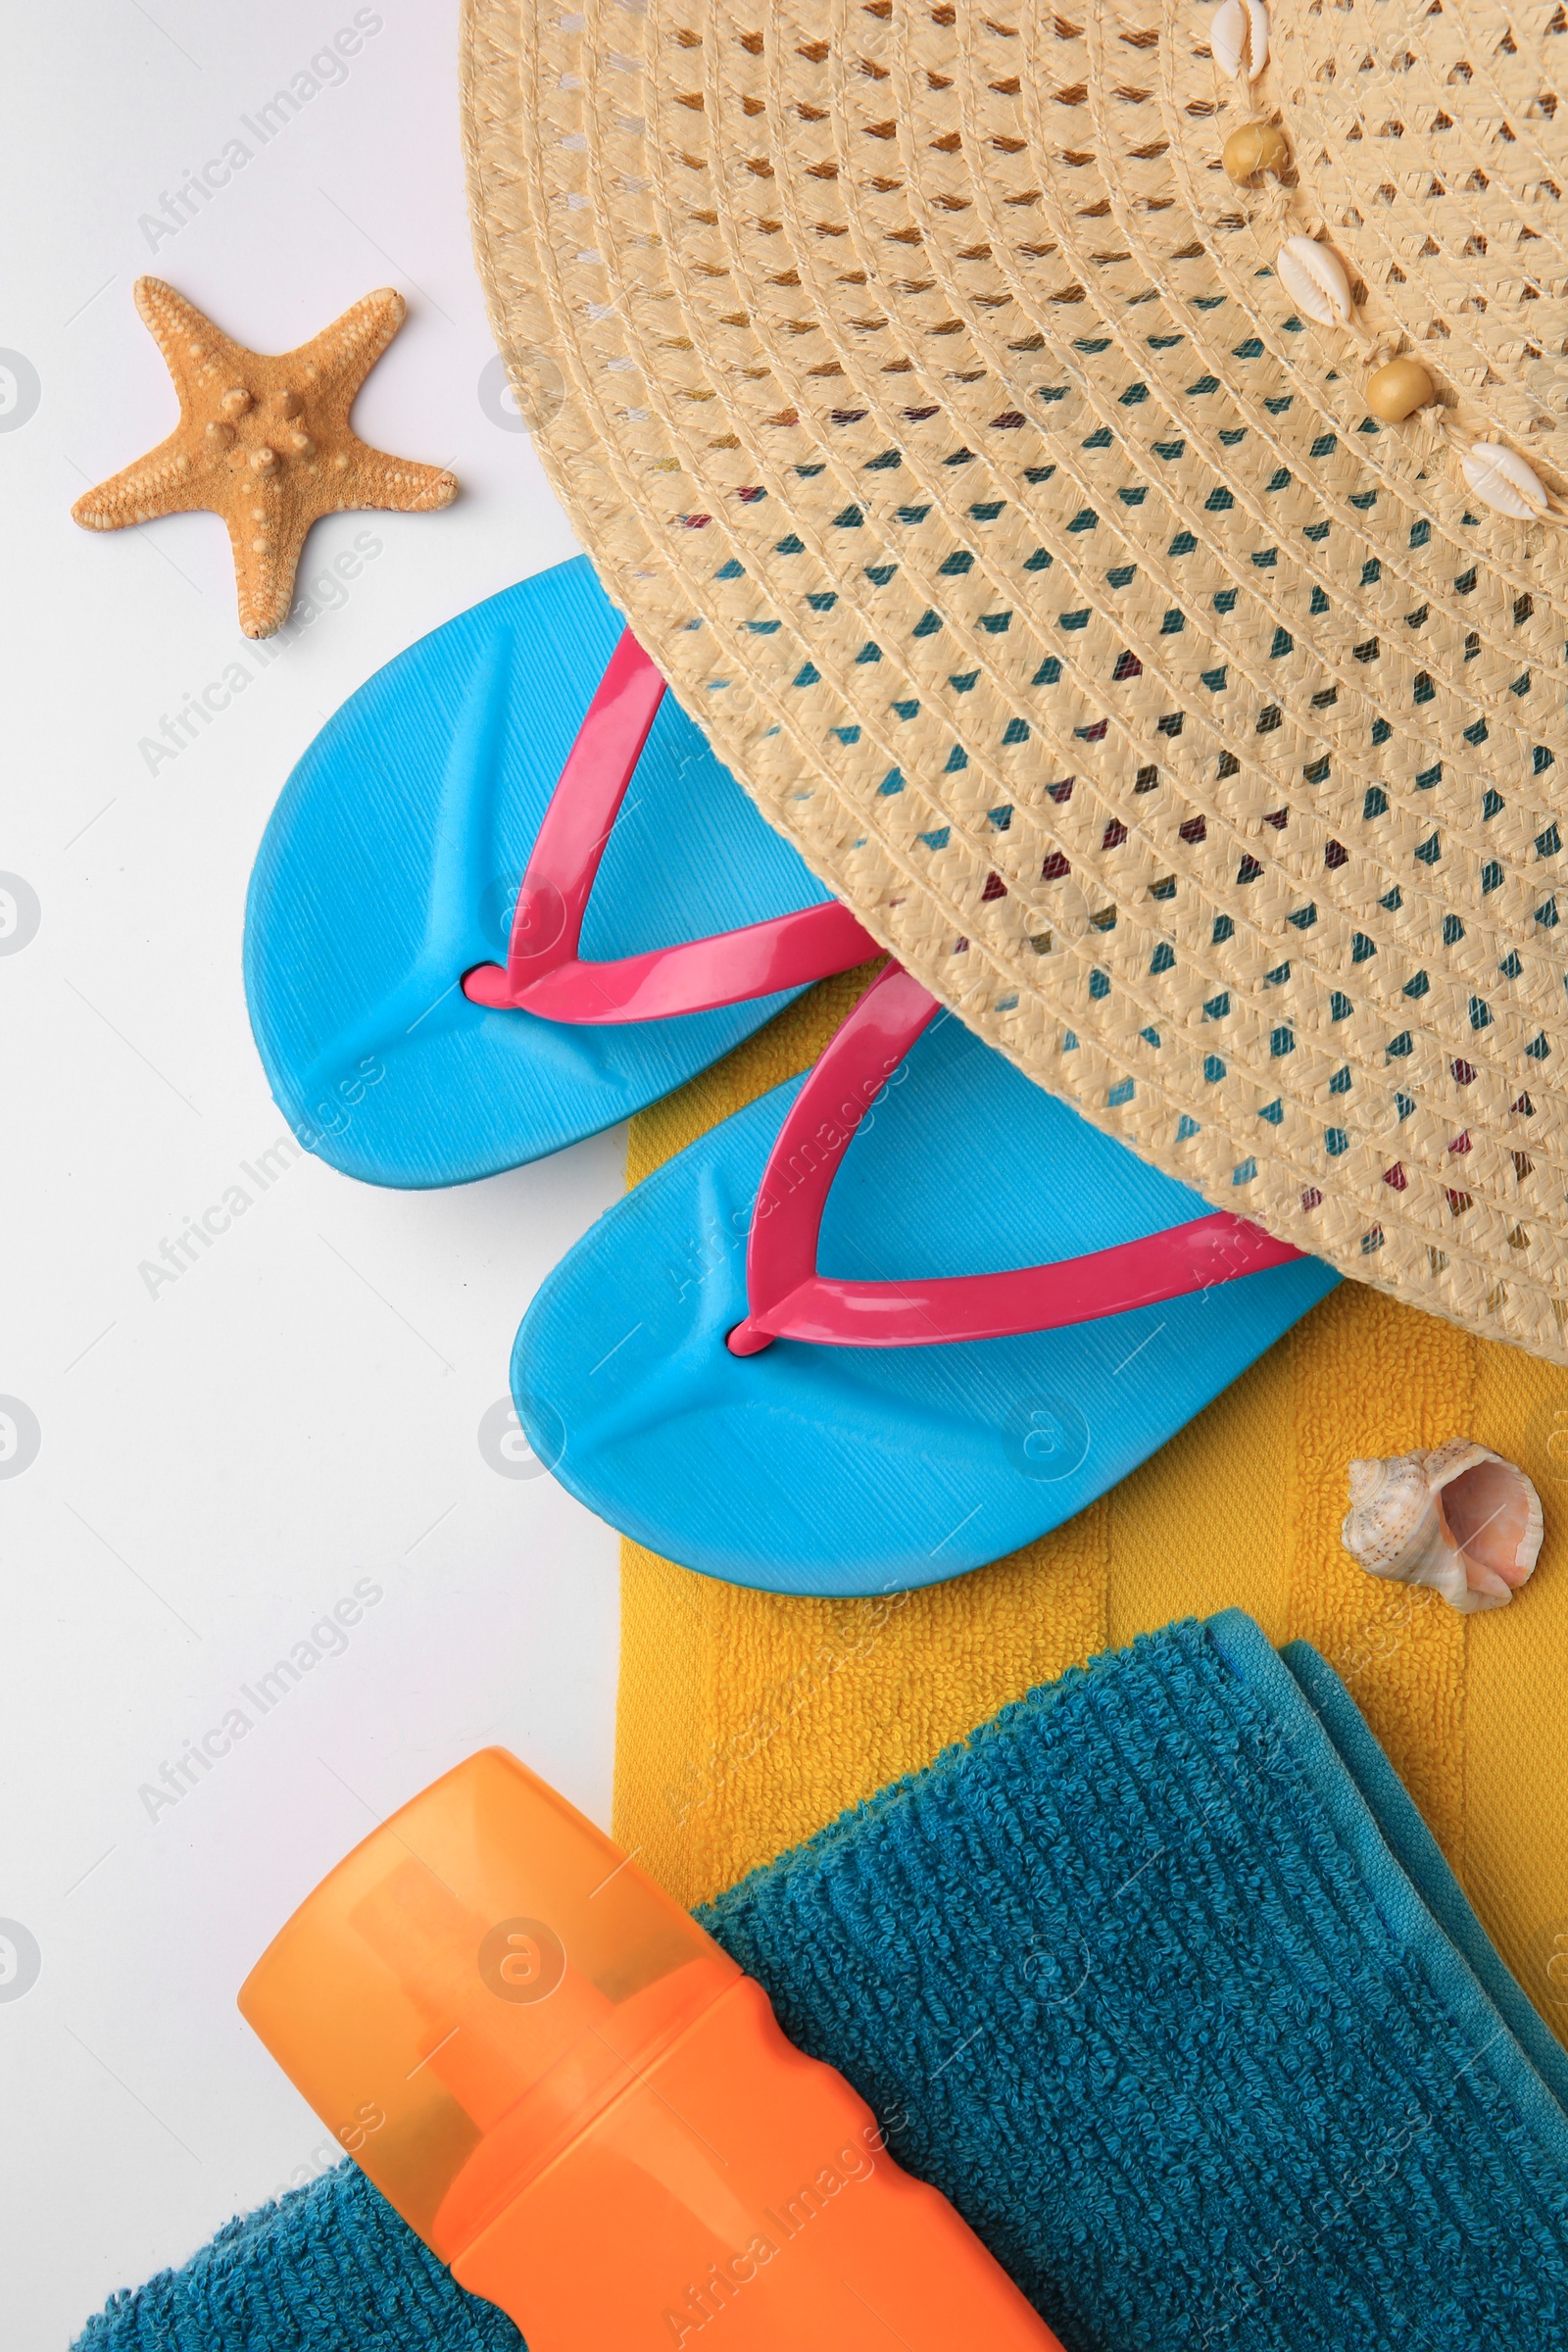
(1431, 140)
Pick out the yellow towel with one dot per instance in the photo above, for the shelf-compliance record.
(747, 1720)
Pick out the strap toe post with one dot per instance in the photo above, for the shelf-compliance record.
(788, 1298)
(545, 973)
(538, 926)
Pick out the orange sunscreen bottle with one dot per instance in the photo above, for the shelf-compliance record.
(586, 2109)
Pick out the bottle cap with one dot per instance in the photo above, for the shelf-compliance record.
(477, 1982)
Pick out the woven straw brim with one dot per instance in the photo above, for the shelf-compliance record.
(951, 445)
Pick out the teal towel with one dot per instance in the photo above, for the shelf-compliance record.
(1162, 1979)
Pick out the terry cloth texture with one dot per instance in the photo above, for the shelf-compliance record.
(327, 2269)
(747, 1720)
(1159, 1978)
(958, 443)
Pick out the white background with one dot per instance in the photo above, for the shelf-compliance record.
(219, 1464)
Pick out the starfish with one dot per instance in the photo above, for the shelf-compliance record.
(266, 443)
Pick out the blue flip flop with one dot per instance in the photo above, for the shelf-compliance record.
(516, 787)
(787, 1363)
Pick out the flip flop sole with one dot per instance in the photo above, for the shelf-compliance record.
(391, 866)
(848, 1471)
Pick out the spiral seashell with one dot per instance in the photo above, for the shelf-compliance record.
(1459, 1519)
(1238, 38)
(1313, 277)
(1501, 479)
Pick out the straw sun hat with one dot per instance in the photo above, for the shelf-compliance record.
(998, 478)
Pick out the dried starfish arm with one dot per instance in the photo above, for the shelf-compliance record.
(167, 481)
(340, 358)
(373, 479)
(267, 543)
(195, 350)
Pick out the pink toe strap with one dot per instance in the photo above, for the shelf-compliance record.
(788, 1298)
(544, 975)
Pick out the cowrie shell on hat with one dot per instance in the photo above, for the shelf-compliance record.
(1238, 38)
(1502, 478)
(1315, 280)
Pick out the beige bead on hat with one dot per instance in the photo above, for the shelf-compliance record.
(1095, 482)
